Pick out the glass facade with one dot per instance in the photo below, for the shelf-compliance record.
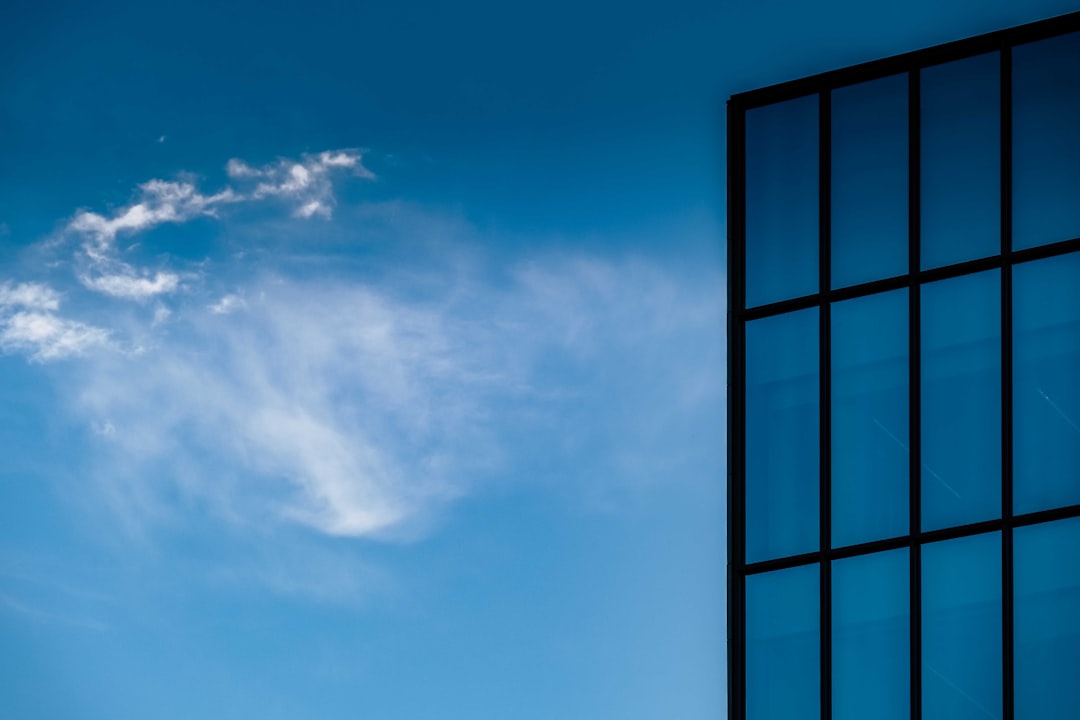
(904, 365)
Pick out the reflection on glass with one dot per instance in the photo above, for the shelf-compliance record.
(871, 671)
(961, 628)
(782, 399)
(869, 219)
(1046, 143)
(782, 645)
(870, 418)
(782, 172)
(961, 400)
(1046, 383)
(960, 166)
(1047, 621)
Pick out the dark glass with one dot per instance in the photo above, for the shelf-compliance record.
(1047, 621)
(869, 200)
(961, 400)
(1046, 383)
(782, 201)
(871, 637)
(1046, 141)
(783, 657)
(961, 628)
(782, 418)
(960, 161)
(870, 418)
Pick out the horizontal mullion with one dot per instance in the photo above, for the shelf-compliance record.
(1041, 516)
(967, 267)
(1043, 251)
(922, 538)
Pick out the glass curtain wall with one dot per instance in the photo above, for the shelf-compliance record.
(904, 523)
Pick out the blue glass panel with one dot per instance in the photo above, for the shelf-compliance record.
(782, 645)
(960, 166)
(1046, 383)
(782, 398)
(961, 400)
(870, 418)
(1047, 621)
(961, 630)
(871, 671)
(1046, 141)
(869, 181)
(782, 201)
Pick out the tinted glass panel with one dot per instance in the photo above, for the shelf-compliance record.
(1047, 622)
(869, 181)
(870, 418)
(782, 645)
(961, 631)
(782, 201)
(782, 394)
(1046, 141)
(961, 400)
(960, 148)
(870, 637)
(1046, 383)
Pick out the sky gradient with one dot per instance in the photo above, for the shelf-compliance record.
(367, 360)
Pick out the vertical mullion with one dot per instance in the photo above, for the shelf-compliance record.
(736, 414)
(825, 373)
(1007, 654)
(914, 390)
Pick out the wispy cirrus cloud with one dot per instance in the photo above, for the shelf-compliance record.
(305, 183)
(355, 410)
(361, 403)
(159, 201)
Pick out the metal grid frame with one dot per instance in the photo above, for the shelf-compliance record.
(738, 315)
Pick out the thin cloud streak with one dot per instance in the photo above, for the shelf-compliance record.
(305, 183)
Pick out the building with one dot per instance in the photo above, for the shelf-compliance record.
(904, 369)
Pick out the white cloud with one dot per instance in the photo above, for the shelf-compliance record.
(305, 182)
(330, 407)
(29, 324)
(313, 207)
(159, 201)
(128, 286)
(33, 296)
(44, 336)
(348, 409)
(227, 304)
(161, 316)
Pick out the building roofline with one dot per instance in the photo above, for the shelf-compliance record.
(954, 50)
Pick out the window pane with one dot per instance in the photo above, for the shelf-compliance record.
(782, 398)
(1047, 622)
(960, 148)
(1046, 141)
(869, 181)
(782, 645)
(961, 631)
(1046, 383)
(870, 418)
(871, 669)
(782, 201)
(961, 400)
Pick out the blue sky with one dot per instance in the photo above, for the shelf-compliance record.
(366, 360)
